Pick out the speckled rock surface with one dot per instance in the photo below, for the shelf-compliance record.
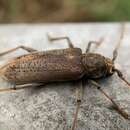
(52, 106)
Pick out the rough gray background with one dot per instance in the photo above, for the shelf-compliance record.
(52, 107)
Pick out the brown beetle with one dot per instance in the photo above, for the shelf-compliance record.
(61, 65)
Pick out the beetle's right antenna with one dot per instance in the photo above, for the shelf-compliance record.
(115, 52)
(116, 106)
(12, 89)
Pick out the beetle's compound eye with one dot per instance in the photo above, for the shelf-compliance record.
(110, 66)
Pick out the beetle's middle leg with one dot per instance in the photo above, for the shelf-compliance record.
(70, 44)
(28, 49)
(98, 43)
(116, 106)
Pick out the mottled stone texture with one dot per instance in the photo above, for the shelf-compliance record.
(52, 106)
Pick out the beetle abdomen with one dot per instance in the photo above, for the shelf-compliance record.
(45, 67)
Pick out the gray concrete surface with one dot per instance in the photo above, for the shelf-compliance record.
(52, 106)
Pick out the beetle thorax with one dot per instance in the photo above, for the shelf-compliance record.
(96, 65)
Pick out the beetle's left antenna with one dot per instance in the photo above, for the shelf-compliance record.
(115, 54)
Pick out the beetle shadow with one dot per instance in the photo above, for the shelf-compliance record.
(56, 86)
(104, 82)
(36, 89)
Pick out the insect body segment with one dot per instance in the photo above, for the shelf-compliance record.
(97, 66)
(45, 67)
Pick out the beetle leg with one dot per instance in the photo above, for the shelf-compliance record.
(79, 92)
(28, 49)
(24, 86)
(98, 43)
(12, 89)
(70, 44)
(116, 106)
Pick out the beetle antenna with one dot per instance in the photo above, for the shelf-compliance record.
(116, 106)
(115, 52)
(119, 73)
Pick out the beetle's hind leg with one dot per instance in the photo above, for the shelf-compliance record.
(79, 94)
(98, 43)
(19, 87)
(28, 49)
(14, 88)
(116, 106)
(52, 38)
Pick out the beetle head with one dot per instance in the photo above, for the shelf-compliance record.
(110, 66)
